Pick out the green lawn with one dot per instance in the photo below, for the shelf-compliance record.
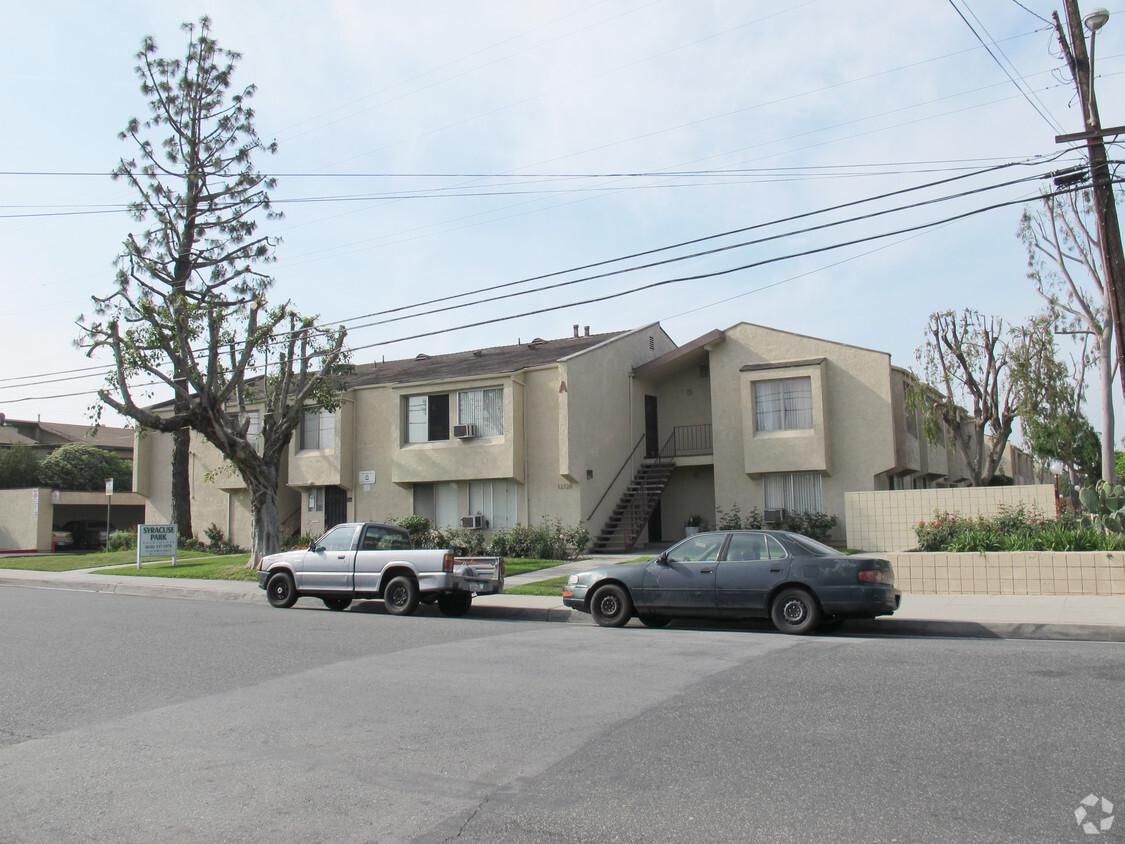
(215, 568)
(551, 588)
(70, 562)
(518, 565)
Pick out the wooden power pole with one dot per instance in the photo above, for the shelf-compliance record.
(1105, 209)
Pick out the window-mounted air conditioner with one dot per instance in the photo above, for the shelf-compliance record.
(773, 515)
(476, 521)
(465, 432)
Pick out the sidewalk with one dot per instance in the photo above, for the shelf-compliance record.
(1073, 617)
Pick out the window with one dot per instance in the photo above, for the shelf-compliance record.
(377, 538)
(784, 405)
(496, 501)
(427, 418)
(337, 539)
(316, 500)
(483, 408)
(753, 546)
(705, 546)
(318, 430)
(795, 492)
(254, 430)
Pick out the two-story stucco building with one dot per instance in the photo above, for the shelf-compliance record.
(626, 432)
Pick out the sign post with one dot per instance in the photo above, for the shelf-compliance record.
(108, 499)
(157, 541)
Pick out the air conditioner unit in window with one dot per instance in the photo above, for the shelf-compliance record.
(465, 432)
(773, 515)
(476, 521)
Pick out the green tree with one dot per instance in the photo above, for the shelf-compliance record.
(19, 467)
(1054, 426)
(1064, 260)
(189, 310)
(78, 466)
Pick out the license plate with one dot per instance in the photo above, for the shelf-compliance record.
(479, 587)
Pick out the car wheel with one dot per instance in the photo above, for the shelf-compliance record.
(281, 591)
(795, 611)
(401, 596)
(337, 604)
(455, 604)
(611, 606)
(655, 620)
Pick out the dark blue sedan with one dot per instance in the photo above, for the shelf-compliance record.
(796, 582)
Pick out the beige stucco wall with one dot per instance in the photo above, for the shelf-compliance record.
(1000, 573)
(856, 397)
(218, 495)
(885, 521)
(26, 522)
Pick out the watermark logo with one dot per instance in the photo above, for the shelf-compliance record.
(1094, 815)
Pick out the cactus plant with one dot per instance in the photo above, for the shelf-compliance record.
(1103, 507)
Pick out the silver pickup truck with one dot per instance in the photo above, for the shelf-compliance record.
(368, 560)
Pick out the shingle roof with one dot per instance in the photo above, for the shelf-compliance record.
(496, 360)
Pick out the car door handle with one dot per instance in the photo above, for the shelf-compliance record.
(776, 569)
(705, 571)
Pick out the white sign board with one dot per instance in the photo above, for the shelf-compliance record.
(157, 541)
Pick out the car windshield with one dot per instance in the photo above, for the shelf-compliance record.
(802, 546)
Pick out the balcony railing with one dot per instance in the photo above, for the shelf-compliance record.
(689, 440)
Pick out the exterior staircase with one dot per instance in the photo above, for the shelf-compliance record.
(629, 517)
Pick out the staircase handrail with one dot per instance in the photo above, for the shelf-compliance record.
(628, 461)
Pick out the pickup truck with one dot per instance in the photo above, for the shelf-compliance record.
(369, 560)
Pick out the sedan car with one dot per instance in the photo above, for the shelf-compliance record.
(796, 582)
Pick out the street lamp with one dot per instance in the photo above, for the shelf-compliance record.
(1095, 19)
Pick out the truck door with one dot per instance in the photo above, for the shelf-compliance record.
(328, 565)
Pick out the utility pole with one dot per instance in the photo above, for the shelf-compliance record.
(1105, 209)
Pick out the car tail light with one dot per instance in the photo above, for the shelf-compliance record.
(871, 576)
(447, 563)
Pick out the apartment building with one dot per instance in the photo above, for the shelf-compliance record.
(626, 432)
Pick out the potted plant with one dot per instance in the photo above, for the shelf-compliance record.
(694, 525)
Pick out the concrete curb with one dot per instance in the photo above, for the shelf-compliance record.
(531, 608)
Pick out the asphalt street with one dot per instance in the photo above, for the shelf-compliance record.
(143, 719)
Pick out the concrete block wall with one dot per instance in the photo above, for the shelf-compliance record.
(1016, 573)
(885, 521)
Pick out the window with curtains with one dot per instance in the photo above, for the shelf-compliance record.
(483, 408)
(318, 430)
(427, 418)
(795, 492)
(783, 405)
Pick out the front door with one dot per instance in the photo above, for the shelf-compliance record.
(683, 579)
(335, 506)
(652, 432)
(753, 565)
(330, 566)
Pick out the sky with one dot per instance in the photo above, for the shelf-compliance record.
(431, 150)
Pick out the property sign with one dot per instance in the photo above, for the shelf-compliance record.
(157, 541)
(109, 486)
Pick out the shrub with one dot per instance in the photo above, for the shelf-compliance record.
(816, 526)
(1012, 529)
(294, 541)
(733, 519)
(122, 540)
(418, 526)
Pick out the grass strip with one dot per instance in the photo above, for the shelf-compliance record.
(547, 588)
(220, 568)
(70, 562)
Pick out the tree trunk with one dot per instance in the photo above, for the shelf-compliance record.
(265, 531)
(181, 482)
(1105, 374)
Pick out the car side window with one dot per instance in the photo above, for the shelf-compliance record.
(696, 549)
(745, 547)
(337, 539)
(382, 539)
(774, 549)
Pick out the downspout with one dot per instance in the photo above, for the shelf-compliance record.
(523, 436)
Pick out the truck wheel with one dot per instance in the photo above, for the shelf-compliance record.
(281, 591)
(337, 604)
(455, 604)
(401, 596)
(611, 606)
(795, 611)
